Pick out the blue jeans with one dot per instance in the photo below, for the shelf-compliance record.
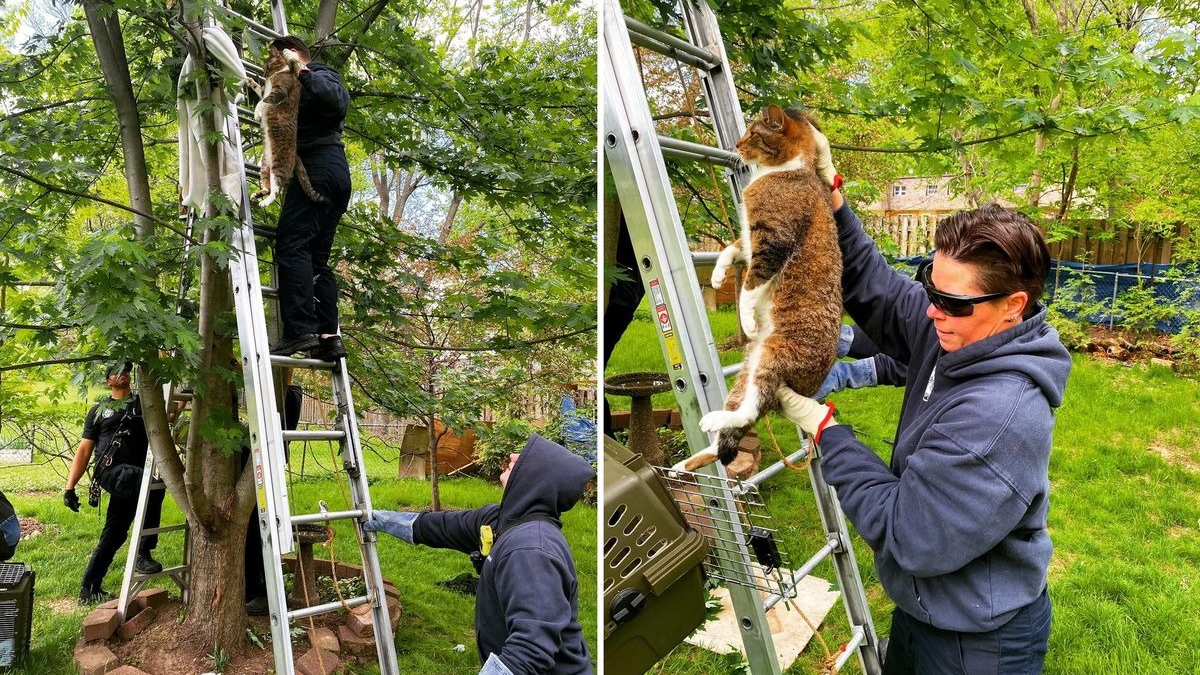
(1016, 648)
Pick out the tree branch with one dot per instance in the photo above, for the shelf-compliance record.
(56, 362)
(83, 195)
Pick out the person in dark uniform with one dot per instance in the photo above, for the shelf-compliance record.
(115, 424)
(308, 291)
(527, 604)
(10, 529)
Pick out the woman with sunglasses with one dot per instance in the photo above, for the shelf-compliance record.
(958, 520)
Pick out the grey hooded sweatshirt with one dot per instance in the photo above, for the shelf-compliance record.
(527, 605)
(958, 521)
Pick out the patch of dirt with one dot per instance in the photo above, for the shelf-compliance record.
(463, 584)
(1177, 531)
(161, 649)
(1106, 344)
(30, 528)
(1174, 454)
(67, 606)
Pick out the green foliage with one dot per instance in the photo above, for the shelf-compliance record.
(1141, 310)
(505, 437)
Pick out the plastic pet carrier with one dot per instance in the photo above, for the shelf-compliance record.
(653, 587)
(16, 612)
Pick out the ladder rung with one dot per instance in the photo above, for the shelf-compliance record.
(311, 364)
(731, 369)
(327, 516)
(162, 530)
(858, 635)
(327, 607)
(705, 258)
(798, 575)
(313, 435)
(670, 46)
(251, 67)
(673, 147)
(251, 23)
(270, 292)
(760, 477)
(182, 396)
(166, 572)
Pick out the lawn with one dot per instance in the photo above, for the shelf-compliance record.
(1125, 515)
(435, 620)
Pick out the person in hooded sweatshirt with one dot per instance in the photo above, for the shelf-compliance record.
(307, 286)
(957, 521)
(527, 604)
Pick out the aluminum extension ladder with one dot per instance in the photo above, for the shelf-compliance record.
(634, 153)
(268, 439)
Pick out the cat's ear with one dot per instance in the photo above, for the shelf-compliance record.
(773, 116)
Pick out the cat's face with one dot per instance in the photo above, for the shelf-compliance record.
(776, 138)
(275, 61)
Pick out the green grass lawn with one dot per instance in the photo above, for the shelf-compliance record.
(1125, 515)
(434, 619)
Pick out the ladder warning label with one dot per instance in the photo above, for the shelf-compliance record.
(664, 325)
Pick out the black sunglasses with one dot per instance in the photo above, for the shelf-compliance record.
(951, 305)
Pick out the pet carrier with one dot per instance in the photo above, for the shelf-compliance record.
(653, 588)
(16, 612)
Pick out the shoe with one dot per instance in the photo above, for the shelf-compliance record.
(300, 344)
(258, 606)
(95, 597)
(144, 564)
(331, 349)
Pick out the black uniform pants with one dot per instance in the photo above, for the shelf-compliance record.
(256, 581)
(308, 290)
(623, 299)
(117, 520)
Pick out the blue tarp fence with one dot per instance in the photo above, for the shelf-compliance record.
(1175, 288)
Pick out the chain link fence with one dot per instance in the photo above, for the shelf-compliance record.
(1142, 297)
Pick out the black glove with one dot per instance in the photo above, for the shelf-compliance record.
(70, 500)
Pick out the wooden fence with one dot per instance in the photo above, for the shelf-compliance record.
(1098, 242)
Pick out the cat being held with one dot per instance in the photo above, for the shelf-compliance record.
(791, 299)
(277, 110)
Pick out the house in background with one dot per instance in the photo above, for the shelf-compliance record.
(909, 210)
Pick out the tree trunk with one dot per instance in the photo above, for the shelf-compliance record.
(216, 612)
(451, 215)
(114, 64)
(326, 17)
(435, 497)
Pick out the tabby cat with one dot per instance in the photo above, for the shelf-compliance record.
(791, 300)
(277, 110)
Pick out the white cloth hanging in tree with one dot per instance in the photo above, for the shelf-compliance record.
(192, 171)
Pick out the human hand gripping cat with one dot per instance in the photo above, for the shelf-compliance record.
(298, 65)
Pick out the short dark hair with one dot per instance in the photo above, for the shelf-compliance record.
(291, 42)
(118, 368)
(1004, 245)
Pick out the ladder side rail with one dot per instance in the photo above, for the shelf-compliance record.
(135, 538)
(725, 111)
(279, 17)
(360, 497)
(666, 270)
(719, 90)
(266, 438)
(854, 596)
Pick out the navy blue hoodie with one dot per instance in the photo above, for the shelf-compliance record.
(527, 605)
(958, 521)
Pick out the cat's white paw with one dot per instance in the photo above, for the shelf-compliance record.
(718, 420)
(267, 201)
(718, 276)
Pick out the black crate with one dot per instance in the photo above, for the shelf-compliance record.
(16, 612)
